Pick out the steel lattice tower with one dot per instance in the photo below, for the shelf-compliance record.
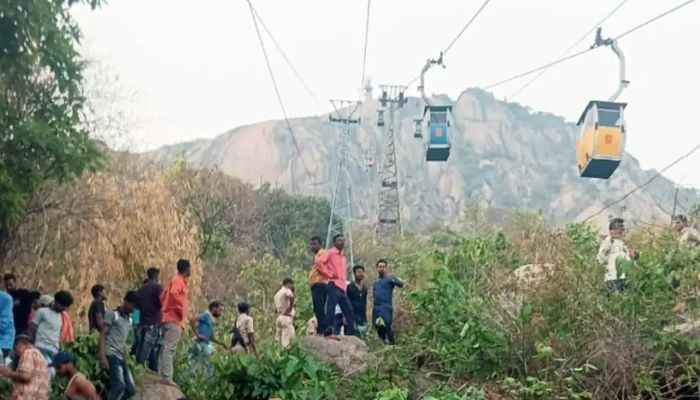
(389, 212)
(340, 221)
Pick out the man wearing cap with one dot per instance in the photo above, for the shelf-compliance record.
(46, 325)
(31, 380)
(78, 386)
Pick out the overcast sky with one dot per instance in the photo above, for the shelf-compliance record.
(196, 68)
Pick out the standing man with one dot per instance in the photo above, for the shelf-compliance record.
(319, 285)
(78, 387)
(22, 300)
(284, 305)
(383, 308)
(31, 380)
(333, 265)
(96, 312)
(149, 330)
(357, 293)
(612, 251)
(7, 326)
(688, 234)
(113, 354)
(47, 323)
(175, 311)
(243, 333)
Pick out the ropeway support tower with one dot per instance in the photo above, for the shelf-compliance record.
(345, 114)
(389, 211)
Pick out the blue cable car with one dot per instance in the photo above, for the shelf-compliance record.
(418, 128)
(380, 118)
(438, 127)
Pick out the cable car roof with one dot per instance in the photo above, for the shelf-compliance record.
(603, 105)
(437, 109)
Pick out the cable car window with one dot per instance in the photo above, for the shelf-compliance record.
(608, 117)
(438, 117)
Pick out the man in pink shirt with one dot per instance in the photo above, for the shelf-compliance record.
(333, 265)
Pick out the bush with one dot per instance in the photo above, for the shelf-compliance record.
(287, 374)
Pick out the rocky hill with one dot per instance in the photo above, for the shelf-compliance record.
(503, 157)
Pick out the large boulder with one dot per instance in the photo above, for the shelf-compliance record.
(152, 387)
(348, 354)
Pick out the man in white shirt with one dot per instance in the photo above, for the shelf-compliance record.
(688, 234)
(613, 250)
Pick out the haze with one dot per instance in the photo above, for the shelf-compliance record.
(197, 70)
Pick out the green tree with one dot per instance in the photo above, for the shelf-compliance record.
(286, 218)
(42, 134)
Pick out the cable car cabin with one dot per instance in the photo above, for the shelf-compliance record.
(418, 128)
(380, 117)
(438, 126)
(601, 140)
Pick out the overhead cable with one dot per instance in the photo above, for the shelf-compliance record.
(580, 53)
(645, 184)
(573, 46)
(277, 92)
(459, 35)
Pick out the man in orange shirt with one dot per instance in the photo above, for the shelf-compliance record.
(333, 265)
(319, 285)
(175, 311)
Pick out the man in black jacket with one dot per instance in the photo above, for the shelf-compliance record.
(357, 293)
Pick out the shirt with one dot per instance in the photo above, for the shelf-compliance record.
(150, 303)
(610, 251)
(283, 297)
(22, 300)
(358, 299)
(7, 322)
(205, 326)
(119, 326)
(315, 275)
(333, 262)
(383, 291)
(690, 235)
(67, 333)
(34, 364)
(48, 329)
(244, 323)
(97, 307)
(174, 300)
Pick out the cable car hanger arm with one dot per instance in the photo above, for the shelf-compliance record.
(428, 65)
(612, 42)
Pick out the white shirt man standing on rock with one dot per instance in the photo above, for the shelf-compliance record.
(612, 251)
(284, 305)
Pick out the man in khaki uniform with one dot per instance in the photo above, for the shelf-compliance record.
(688, 234)
(284, 305)
(243, 339)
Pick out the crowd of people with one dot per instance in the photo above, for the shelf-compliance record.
(34, 328)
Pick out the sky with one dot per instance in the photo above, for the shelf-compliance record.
(193, 70)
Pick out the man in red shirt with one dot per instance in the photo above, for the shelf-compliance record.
(333, 265)
(175, 311)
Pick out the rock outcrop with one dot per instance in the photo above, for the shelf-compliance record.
(348, 354)
(504, 156)
(152, 388)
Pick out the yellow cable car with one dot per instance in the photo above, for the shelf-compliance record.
(601, 140)
(602, 130)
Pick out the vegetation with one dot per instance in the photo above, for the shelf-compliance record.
(42, 137)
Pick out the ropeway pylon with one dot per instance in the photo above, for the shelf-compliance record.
(340, 221)
(389, 211)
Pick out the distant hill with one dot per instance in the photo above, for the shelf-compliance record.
(503, 157)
